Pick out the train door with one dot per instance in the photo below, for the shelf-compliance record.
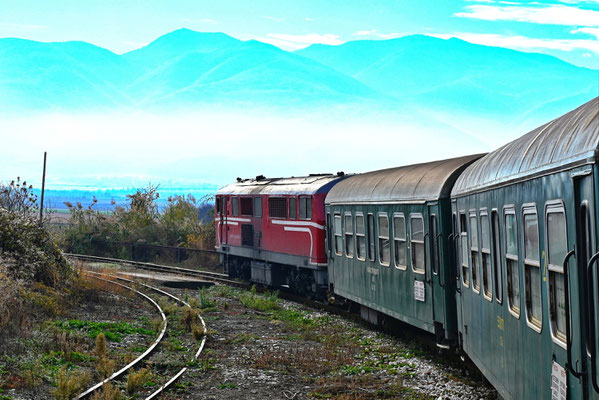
(224, 228)
(582, 285)
(436, 283)
(420, 261)
(257, 222)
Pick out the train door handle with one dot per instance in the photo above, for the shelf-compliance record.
(426, 279)
(439, 269)
(566, 270)
(452, 238)
(591, 322)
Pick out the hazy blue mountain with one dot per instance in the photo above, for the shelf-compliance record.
(457, 75)
(188, 68)
(72, 74)
(179, 68)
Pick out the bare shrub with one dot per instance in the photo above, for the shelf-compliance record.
(137, 379)
(70, 383)
(108, 392)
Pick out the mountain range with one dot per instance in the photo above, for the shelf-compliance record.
(190, 69)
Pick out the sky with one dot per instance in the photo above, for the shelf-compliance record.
(568, 29)
(87, 151)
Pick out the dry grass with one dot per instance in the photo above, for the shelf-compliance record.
(104, 365)
(136, 380)
(198, 331)
(363, 388)
(108, 392)
(316, 360)
(70, 383)
(189, 318)
(105, 283)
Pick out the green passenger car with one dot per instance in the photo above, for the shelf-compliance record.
(525, 219)
(389, 244)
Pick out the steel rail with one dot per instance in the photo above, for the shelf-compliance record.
(138, 359)
(212, 276)
(200, 347)
(150, 266)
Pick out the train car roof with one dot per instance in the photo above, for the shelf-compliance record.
(306, 185)
(565, 142)
(412, 183)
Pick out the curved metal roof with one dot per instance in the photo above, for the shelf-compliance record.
(569, 140)
(307, 185)
(412, 183)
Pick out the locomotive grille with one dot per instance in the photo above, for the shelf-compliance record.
(277, 207)
(247, 235)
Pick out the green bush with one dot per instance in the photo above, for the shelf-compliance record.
(28, 251)
(141, 222)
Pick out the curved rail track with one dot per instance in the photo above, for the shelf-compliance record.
(212, 276)
(162, 388)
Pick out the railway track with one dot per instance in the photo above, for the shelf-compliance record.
(219, 278)
(404, 331)
(212, 276)
(112, 279)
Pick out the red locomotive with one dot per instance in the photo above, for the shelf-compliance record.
(272, 231)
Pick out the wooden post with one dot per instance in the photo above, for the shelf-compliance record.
(43, 189)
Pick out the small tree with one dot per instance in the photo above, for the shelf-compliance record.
(18, 197)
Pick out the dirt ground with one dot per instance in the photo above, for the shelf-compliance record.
(266, 348)
(258, 347)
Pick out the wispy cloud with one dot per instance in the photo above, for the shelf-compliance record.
(523, 42)
(551, 14)
(205, 21)
(296, 42)
(374, 33)
(579, 1)
(588, 31)
(274, 19)
(22, 26)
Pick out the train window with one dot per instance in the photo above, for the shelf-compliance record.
(371, 254)
(349, 235)
(434, 244)
(474, 252)
(277, 207)
(246, 206)
(235, 202)
(305, 207)
(399, 241)
(485, 249)
(360, 239)
(532, 268)
(511, 261)
(464, 248)
(384, 251)
(496, 256)
(218, 205)
(557, 248)
(417, 242)
(338, 237)
(258, 207)
(292, 208)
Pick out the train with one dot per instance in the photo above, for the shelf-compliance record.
(495, 255)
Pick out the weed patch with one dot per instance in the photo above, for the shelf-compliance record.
(113, 331)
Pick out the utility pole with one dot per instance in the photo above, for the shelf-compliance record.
(43, 188)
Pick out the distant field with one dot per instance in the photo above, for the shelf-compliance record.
(107, 200)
